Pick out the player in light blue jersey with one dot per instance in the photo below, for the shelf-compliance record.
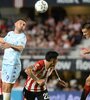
(13, 43)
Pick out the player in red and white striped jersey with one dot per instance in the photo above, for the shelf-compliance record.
(35, 85)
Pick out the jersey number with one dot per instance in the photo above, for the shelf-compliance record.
(45, 95)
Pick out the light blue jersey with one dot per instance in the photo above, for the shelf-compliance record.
(11, 66)
(11, 56)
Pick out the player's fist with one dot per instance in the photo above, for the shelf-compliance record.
(41, 82)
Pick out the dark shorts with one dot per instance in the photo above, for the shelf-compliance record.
(32, 95)
(1, 97)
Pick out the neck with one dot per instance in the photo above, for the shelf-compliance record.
(17, 32)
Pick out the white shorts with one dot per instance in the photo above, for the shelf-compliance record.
(10, 73)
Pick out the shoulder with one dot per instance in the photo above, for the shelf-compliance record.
(23, 35)
(10, 32)
(40, 63)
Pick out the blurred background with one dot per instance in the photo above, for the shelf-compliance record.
(57, 29)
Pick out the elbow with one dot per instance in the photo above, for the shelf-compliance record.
(25, 71)
(28, 71)
(20, 49)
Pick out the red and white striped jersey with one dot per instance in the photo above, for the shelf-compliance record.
(40, 72)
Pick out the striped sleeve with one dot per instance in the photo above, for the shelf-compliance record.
(36, 67)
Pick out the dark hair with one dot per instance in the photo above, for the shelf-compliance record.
(86, 25)
(51, 55)
(23, 19)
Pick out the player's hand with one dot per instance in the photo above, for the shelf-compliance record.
(85, 51)
(62, 83)
(41, 82)
(87, 81)
(5, 45)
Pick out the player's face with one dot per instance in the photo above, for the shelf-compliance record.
(20, 25)
(86, 32)
(53, 62)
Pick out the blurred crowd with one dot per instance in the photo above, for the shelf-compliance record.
(60, 35)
